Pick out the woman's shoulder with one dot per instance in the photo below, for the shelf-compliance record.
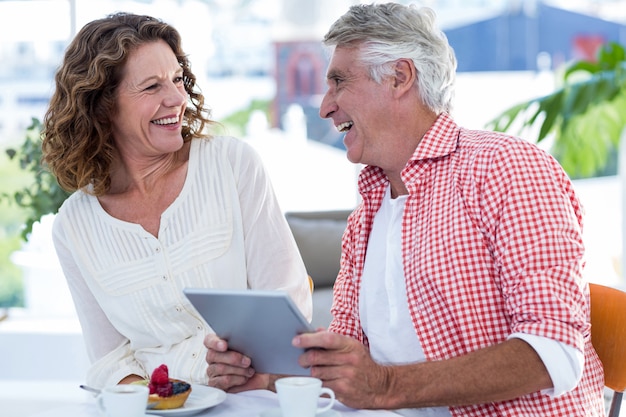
(216, 143)
(229, 147)
(77, 206)
(77, 202)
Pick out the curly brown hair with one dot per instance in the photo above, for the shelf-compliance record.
(77, 143)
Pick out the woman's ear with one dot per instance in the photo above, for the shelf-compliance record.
(405, 75)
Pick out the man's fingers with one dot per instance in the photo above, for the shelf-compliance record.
(319, 339)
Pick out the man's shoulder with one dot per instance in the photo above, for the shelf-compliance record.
(486, 141)
(476, 137)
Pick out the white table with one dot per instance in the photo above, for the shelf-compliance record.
(77, 403)
(26, 398)
(34, 348)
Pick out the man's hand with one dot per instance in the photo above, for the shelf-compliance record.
(345, 366)
(229, 370)
(499, 372)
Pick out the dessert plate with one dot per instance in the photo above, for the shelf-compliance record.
(201, 398)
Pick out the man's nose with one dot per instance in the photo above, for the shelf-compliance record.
(328, 105)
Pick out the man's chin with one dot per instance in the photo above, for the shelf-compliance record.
(350, 152)
(352, 158)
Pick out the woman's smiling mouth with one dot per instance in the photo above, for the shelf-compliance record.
(166, 121)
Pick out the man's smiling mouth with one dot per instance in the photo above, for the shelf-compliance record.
(344, 127)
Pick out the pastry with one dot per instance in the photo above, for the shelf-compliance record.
(167, 392)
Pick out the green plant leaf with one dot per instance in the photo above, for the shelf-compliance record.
(586, 116)
(44, 195)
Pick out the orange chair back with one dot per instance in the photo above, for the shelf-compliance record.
(608, 333)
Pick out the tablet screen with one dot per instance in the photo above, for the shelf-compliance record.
(258, 323)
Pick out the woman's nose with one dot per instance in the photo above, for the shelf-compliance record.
(175, 96)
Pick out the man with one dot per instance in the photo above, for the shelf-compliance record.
(460, 290)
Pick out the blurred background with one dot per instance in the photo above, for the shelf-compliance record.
(261, 66)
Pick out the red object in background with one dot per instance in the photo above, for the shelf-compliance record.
(586, 47)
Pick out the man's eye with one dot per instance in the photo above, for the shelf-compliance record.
(152, 87)
(179, 79)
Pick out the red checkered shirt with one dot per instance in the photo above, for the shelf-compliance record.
(492, 245)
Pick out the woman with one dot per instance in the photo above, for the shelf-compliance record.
(158, 205)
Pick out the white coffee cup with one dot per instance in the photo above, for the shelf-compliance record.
(123, 400)
(298, 396)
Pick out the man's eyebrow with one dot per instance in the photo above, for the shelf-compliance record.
(336, 74)
(332, 74)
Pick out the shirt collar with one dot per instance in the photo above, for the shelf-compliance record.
(441, 139)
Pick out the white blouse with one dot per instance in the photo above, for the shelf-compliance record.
(224, 230)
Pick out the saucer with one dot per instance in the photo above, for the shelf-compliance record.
(275, 412)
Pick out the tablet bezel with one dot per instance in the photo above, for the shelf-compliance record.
(258, 323)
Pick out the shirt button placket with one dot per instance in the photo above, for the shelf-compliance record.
(160, 262)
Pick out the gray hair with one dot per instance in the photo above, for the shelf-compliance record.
(388, 32)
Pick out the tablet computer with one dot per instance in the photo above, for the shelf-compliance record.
(258, 323)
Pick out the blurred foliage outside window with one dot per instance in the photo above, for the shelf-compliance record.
(585, 118)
